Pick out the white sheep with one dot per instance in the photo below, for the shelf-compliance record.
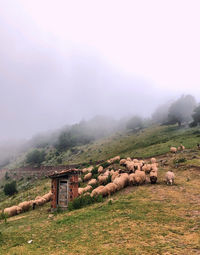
(170, 177)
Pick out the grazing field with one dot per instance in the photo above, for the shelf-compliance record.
(147, 219)
(149, 142)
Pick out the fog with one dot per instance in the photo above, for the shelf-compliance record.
(65, 61)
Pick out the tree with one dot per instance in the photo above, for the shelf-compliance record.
(10, 188)
(160, 115)
(196, 116)
(181, 110)
(35, 157)
(135, 123)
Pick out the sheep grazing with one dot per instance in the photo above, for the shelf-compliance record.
(84, 190)
(173, 150)
(153, 176)
(100, 170)
(26, 205)
(107, 173)
(102, 179)
(140, 177)
(87, 177)
(88, 169)
(135, 160)
(122, 162)
(84, 170)
(181, 148)
(39, 201)
(12, 211)
(146, 168)
(112, 160)
(121, 181)
(129, 159)
(92, 182)
(130, 166)
(80, 191)
(114, 175)
(170, 177)
(48, 196)
(153, 160)
(87, 188)
(131, 179)
(111, 187)
(96, 191)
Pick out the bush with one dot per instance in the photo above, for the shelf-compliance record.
(10, 188)
(105, 164)
(180, 160)
(6, 176)
(82, 201)
(35, 157)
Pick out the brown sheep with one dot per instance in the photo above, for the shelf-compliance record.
(111, 188)
(102, 179)
(173, 150)
(87, 177)
(12, 211)
(121, 181)
(96, 191)
(48, 196)
(92, 182)
(130, 165)
(153, 160)
(80, 191)
(131, 179)
(104, 191)
(114, 175)
(122, 162)
(140, 177)
(100, 170)
(112, 160)
(26, 205)
(107, 173)
(39, 201)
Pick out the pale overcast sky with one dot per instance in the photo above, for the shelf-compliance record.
(61, 61)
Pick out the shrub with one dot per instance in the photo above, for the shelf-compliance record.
(35, 157)
(10, 188)
(82, 201)
(6, 176)
(105, 164)
(180, 160)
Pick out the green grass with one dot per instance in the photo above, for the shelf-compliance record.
(147, 143)
(148, 219)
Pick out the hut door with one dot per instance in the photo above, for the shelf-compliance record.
(63, 193)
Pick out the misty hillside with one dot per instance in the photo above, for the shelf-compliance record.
(153, 219)
(101, 136)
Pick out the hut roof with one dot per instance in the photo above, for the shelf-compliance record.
(65, 172)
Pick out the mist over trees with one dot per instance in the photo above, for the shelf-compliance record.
(181, 110)
(49, 146)
(196, 116)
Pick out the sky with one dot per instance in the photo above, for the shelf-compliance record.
(63, 61)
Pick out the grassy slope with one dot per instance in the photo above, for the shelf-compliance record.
(150, 142)
(149, 219)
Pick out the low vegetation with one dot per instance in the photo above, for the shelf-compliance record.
(147, 219)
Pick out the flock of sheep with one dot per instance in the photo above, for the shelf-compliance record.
(27, 205)
(174, 149)
(136, 172)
